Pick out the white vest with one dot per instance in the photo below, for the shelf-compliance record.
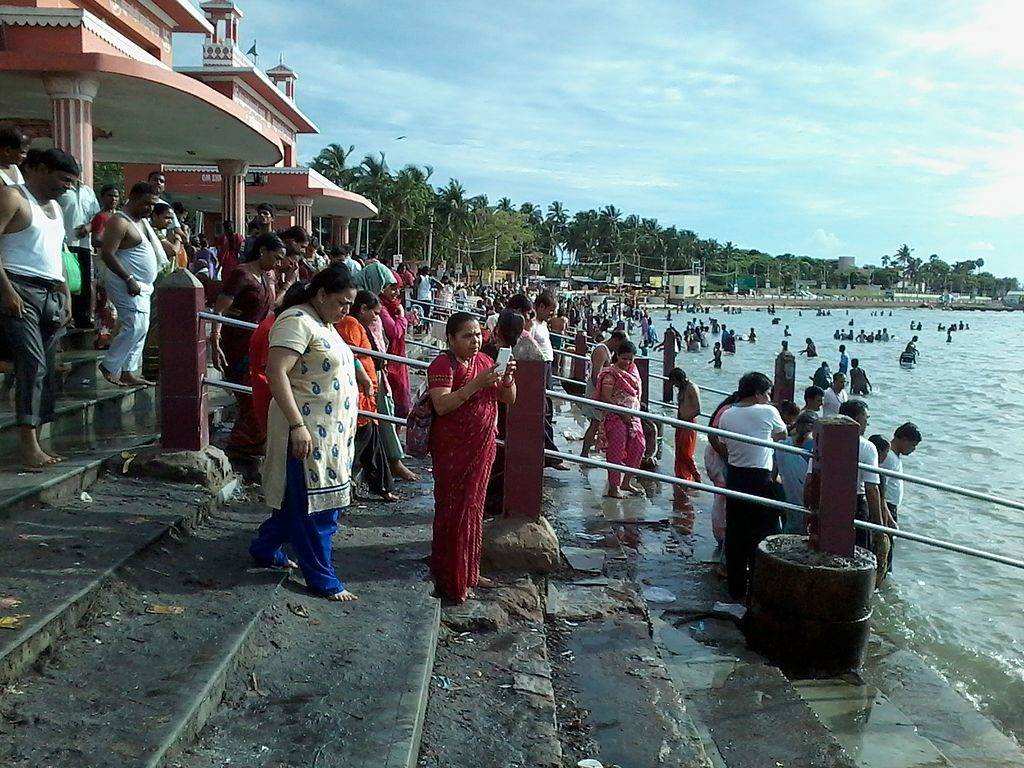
(37, 250)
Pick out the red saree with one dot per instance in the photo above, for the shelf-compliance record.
(462, 450)
(395, 328)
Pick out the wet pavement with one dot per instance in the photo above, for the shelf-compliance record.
(746, 712)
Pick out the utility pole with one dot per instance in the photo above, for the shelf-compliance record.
(494, 263)
(430, 239)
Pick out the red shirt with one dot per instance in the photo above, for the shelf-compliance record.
(228, 249)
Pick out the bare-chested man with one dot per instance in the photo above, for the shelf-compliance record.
(130, 250)
(34, 297)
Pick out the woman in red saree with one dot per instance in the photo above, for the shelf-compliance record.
(620, 384)
(464, 390)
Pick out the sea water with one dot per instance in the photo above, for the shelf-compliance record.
(962, 614)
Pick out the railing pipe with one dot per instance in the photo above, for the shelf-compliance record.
(679, 423)
(940, 544)
(225, 320)
(672, 480)
(391, 358)
(979, 495)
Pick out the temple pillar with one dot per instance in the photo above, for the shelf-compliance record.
(339, 230)
(304, 212)
(71, 98)
(232, 174)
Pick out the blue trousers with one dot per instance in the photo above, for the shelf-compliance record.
(308, 534)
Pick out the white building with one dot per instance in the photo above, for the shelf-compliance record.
(683, 289)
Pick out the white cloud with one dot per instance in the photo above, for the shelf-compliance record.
(941, 166)
(982, 245)
(992, 35)
(825, 242)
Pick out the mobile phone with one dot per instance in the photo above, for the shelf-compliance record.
(504, 355)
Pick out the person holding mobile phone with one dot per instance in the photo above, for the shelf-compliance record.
(465, 389)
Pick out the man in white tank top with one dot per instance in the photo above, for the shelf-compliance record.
(34, 299)
(129, 253)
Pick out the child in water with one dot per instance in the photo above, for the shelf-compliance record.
(717, 359)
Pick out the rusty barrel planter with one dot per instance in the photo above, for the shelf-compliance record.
(810, 612)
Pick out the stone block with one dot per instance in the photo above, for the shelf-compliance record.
(209, 468)
(520, 545)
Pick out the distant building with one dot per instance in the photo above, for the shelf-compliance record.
(1014, 299)
(847, 264)
(683, 288)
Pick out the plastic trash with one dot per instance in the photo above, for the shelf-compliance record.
(658, 595)
(86, 497)
(589, 762)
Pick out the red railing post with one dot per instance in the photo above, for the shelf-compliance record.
(579, 367)
(785, 376)
(524, 442)
(836, 451)
(184, 405)
(643, 367)
(668, 362)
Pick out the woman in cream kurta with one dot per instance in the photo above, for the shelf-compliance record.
(307, 471)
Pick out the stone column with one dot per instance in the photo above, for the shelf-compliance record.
(184, 404)
(71, 98)
(524, 442)
(304, 212)
(834, 484)
(339, 230)
(232, 175)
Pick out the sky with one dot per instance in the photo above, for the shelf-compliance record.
(817, 127)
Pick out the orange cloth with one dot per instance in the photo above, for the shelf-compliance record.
(355, 335)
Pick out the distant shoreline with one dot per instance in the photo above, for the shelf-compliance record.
(757, 302)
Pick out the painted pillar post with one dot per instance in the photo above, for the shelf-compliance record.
(184, 405)
(304, 212)
(785, 376)
(524, 442)
(339, 230)
(643, 367)
(71, 98)
(232, 175)
(668, 362)
(834, 484)
(579, 367)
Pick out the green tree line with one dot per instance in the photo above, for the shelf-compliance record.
(460, 228)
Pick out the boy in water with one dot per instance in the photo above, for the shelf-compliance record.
(904, 442)
(717, 359)
(859, 383)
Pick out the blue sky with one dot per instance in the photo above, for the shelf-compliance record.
(825, 127)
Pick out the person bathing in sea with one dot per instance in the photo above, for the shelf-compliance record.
(859, 382)
(717, 359)
(823, 376)
(810, 350)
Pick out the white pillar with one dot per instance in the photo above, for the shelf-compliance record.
(71, 98)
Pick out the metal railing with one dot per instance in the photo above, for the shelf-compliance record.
(672, 480)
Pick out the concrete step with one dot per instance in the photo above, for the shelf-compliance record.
(133, 688)
(57, 560)
(337, 685)
(636, 716)
(131, 684)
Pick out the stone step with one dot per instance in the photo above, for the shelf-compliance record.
(336, 685)
(636, 716)
(148, 666)
(747, 713)
(57, 560)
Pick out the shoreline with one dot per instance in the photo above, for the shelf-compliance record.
(757, 302)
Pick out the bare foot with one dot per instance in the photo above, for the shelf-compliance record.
(37, 460)
(57, 458)
(402, 472)
(636, 490)
(291, 564)
(110, 377)
(131, 380)
(343, 597)
(484, 583)
(390, 498)
(614, 493)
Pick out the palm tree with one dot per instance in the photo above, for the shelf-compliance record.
(505, 204)
(331, 163)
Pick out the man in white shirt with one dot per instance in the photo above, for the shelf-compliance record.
(80, 205)
(750, 472)
(904, 442)
(835, 395)
(869, 495)
(34, 301)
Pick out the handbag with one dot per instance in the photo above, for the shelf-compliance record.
(72, 272)
(418, 423)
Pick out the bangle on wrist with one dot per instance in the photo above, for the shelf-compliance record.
(293, 427)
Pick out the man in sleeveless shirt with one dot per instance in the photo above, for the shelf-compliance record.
(129, 252)
(34, 299)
